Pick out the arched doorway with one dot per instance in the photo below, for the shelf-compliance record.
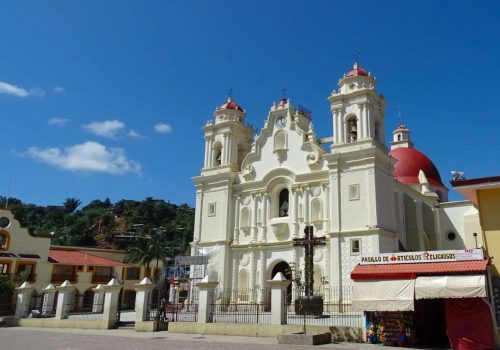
(285, 269)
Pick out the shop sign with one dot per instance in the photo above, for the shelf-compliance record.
(423, 257)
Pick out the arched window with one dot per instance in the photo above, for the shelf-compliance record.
(4, 240)
(283, 203)
(217, 154)
(352, 129)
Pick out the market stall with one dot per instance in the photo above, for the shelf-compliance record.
(414, 298)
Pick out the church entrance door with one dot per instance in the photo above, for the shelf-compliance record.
(285, 269)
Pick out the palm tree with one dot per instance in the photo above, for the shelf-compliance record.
(70, 204)
(149, 248)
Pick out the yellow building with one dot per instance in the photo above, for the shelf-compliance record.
(484, 193)
(26, 257)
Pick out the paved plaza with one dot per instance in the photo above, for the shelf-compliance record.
(26, 338)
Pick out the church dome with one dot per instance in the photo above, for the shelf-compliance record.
(356, 70)
(410, 162)
(230, 104)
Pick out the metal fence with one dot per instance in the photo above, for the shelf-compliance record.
(328, 306)
(164, 308)
(84, 306)
(240, 313)
(241, 306)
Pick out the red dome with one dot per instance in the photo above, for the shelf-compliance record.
(357, 70)
(230, 104)
(283, 102)
(408, 165)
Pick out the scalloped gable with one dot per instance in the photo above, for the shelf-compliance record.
(299, 152)
(21, 241)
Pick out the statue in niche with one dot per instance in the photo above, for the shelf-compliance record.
(284, 209)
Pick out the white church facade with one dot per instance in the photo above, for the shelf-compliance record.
(255, 194)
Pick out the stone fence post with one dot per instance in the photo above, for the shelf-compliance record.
(98, 302)
(23, 299)
(206, 299)
(112, 293)
(49, 294)
(63, 300)
(278, 298)
(143, 290)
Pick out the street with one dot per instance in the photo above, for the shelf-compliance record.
(26, 338)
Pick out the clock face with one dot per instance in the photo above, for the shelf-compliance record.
(281, 122)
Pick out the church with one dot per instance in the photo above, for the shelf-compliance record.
(258, 191)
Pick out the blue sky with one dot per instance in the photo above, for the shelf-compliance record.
(108, 98)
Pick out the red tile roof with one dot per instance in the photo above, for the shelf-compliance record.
(75, 257)
(396, 271)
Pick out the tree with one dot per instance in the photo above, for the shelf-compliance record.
(149, 248)
(6, 287)
(70, 204)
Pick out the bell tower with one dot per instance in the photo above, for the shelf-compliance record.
(358, 110)
(227, 139)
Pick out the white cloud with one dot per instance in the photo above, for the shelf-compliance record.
(107, 128)
(89, 156)
(134, 135)
(163, 128)
(58, 121)
(59, 90)
(13, 90)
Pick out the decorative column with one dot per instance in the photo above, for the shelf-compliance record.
(98, 303)
(234, 278)
(199, 212)
(363, 121)
(208, 152)
(295, 213)
(49, 294)
(23, 299)
(262, 275)
(251, 282)
(345, 134)
(254, 219)
(263, 233)
(336, 133)
(236, 231)
(278, 298)
(206, 299)
(143, 290)
(307, 211)
(65, 292)
(327, 209)
(112, 293)
(371, 122)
